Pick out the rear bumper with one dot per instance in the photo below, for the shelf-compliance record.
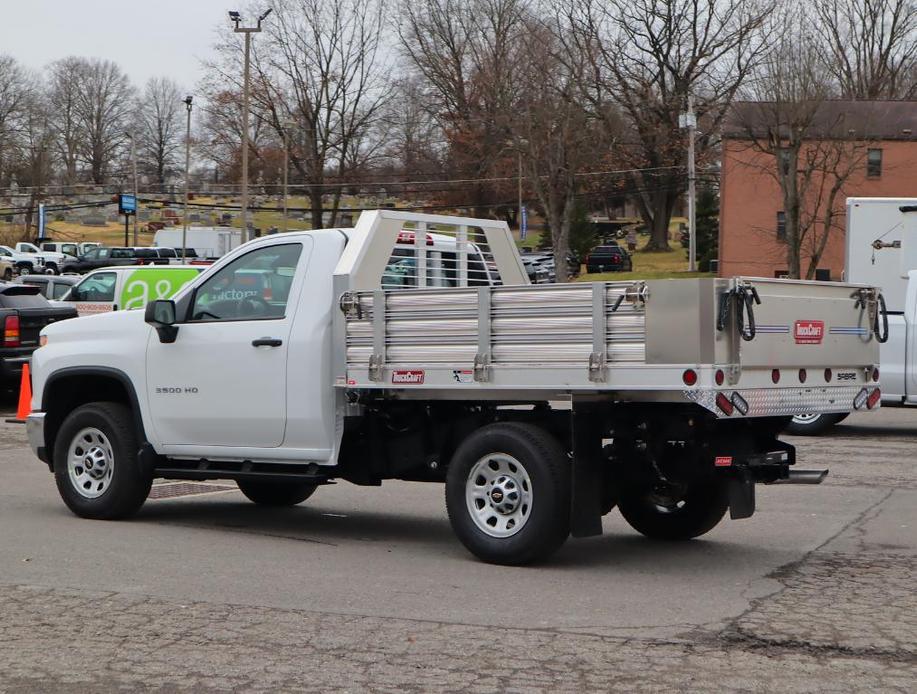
(11, 367)
(35, 430)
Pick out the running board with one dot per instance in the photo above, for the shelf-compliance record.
(803, 477)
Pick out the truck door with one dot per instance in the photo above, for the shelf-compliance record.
(223, 381)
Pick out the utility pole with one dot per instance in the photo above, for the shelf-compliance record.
(688, 121)
(134, 172)
(519, 211)
(286, 167)
(184, 232)
(236, 18)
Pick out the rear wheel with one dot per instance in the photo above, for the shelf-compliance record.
(96, 467)
(813, 424)
(51, 269)
(676, 512)
(276, 493)
(508, 494)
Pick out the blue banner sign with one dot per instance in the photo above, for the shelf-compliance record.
(127, 204)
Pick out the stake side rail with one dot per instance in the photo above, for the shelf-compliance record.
(737, 347)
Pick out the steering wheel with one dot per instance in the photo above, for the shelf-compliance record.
(253, 306)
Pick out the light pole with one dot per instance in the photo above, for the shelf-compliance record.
(132, 138)
(236, 18)
(287, 125)
(184, 233)
(688, 121)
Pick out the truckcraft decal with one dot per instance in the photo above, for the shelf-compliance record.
(143, 286)
(410, 376)
(809, 332)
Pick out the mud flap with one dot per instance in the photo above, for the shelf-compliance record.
(741, 494)
(586, 483)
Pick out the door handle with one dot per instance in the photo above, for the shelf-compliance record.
(267, 342)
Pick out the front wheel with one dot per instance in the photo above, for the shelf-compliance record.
(813, 424)
(508, 494)
(676, 513)
(51, 269)
(96, 468)
(276, 493)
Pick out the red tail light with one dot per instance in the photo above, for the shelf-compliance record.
(689, 377)
(408, 237)
(267, 294)
(11, 331)
(725, 405)
(874, 398)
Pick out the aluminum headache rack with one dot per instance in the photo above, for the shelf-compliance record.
(737, 347)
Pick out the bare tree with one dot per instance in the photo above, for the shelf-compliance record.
(871, 47)
(413, 141)
(64, 79)
(159, 126)
(316, 65)
(469, 53)
(555, 132)
(103, 105)
(648, 56)
(15, 91)
(811, 146)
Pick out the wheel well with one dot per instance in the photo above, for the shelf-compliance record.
(66, 393)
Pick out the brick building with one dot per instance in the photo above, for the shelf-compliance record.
(752, 221)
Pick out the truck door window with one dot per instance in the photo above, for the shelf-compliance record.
(98, 287)
(59, 290)
(255, 286)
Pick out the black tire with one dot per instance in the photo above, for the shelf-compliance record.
(8, 274)
(52, 269)
(702, 508)
(813, 425)
(24, 268)
(547, 524)
(276, 493)
(122, 493)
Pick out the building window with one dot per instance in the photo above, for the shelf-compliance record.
(781, 226)
(874, 163)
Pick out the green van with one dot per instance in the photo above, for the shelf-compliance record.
(126, 288)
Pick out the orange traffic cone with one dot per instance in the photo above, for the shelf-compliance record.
(25, 396)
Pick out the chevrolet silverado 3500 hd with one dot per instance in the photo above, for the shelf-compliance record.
(288, 365)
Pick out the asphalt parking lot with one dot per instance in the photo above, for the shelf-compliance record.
(366, 589)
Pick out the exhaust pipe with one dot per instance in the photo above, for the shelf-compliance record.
(803, 477)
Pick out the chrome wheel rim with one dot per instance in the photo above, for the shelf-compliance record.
(498, 493)
(90, 463)
(806, 418)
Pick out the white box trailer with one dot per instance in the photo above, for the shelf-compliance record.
(207, 242)
(541, 408)
(880, 251)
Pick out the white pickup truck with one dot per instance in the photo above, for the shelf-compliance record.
(287, 365)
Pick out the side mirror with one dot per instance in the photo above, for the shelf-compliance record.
(161, 315)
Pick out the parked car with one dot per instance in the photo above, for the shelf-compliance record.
(52, 287)
(109, 257)
(125, 288)
(7, 269)
(73, 249)
(23, 263)
(52, 259)
(545, 259)
(537, 273)
(609, 258)
(23, 313)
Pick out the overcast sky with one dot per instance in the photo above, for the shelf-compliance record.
(145, 37)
